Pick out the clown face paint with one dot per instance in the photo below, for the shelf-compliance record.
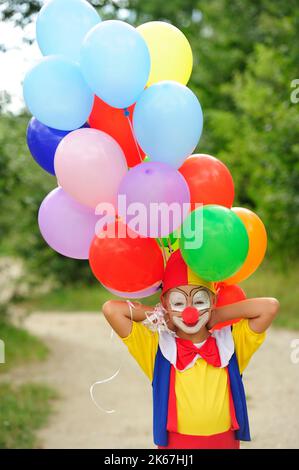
(198, 298)
(191, 330)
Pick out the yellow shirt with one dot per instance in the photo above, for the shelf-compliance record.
(202, 390)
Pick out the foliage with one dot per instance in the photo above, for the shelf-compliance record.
(24, 410)
(245, 57)
(23, 185)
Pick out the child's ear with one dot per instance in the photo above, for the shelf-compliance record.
(213, 299)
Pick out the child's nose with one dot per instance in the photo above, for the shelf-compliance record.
(190, 315)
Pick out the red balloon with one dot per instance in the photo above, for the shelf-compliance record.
(228, 295)
(114, 122)
(209, 181)
(125, 262)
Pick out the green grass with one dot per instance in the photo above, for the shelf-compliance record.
(20, 346)
(23, 410)
(268, 281)
(88, 299)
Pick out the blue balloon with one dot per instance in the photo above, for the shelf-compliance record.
(57, 95)
(42, 142)
(115, 62)
(168, 122)
(62, 25)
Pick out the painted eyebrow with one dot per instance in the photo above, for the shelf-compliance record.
(182, 292)
(197, 289)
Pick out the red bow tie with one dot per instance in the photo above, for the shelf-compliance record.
(186, 351)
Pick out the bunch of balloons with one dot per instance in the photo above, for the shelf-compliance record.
(113, 117)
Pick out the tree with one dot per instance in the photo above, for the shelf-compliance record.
(245, 57)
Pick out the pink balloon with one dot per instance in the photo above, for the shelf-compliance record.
(90, 165)
(67, 226)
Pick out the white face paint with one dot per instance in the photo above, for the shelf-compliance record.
(201, 300)
(177, 301)
(191, 330)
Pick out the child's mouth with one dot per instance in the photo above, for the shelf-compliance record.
(194, 327)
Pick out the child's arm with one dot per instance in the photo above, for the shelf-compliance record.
(118, 315)
(260, 312)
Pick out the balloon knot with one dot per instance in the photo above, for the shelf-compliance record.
(126, 112)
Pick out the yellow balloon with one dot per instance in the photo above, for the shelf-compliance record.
(170, 51)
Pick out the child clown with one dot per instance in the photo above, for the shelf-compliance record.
(198, 395)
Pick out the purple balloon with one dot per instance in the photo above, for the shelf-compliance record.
(153, 199)
(67, 226)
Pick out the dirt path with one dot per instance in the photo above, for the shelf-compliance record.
(82, 353)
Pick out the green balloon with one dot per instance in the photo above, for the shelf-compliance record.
(170, 240)
(224, 244)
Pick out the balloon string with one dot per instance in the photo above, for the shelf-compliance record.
(112, 377)
(169, 246)
(163, 251)
(127, 115)
(98, 382)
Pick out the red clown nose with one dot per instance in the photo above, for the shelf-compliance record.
(190, 315)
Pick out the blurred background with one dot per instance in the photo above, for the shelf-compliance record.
(246, 56)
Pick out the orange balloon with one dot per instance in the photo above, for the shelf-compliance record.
(257, 244)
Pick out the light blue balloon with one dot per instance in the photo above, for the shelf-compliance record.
(115, 62)
(62, 25)
(168, 122)
(57, 95)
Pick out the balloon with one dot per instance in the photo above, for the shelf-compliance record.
(216, 248)
(90, 165)
(43, 142)
(150, 190)
(170, 51)
(62, 25)
(124, 262)
(57, 95)
(171, 239)
(228, 295)
(141, 294)
(114, 122)
(68, 227)
(115, 62)
(168, 122)
(257, 244)
(209, 181)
